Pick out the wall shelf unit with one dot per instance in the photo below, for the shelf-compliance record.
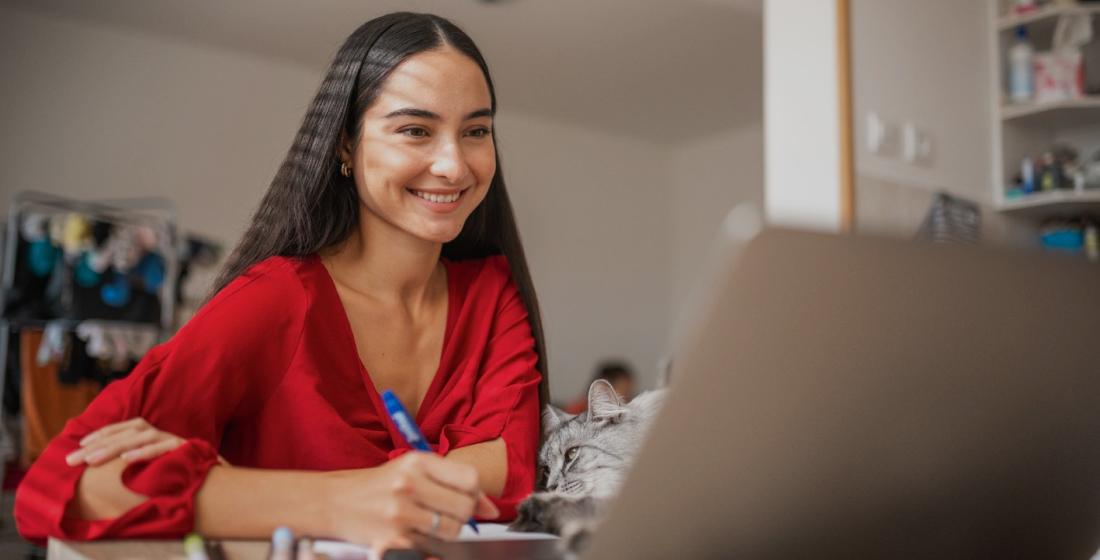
(1029, 129)
(1050, 204)
(1059, 114)
(1045, 16)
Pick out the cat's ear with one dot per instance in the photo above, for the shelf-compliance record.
(553, 417)
(603, 402)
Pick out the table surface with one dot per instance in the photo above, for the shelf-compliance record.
(148, 550)
(493, 541)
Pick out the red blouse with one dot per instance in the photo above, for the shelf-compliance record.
(268, 375)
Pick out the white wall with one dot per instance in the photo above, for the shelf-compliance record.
(94, 112)
(711, 176)
(920, 62)
(928, 63)
(593, 209)
(802, 134)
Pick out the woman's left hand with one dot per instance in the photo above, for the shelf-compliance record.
(132, 440)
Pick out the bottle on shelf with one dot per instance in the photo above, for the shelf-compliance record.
(1021, 68)
(1027, 174)
(1092, 242)
(1023, 7)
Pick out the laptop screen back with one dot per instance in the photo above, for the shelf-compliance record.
(865, 398)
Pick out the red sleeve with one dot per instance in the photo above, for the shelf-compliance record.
(223, 365)
(506, 401)
(506, 396)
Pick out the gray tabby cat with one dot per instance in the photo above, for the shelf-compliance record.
(586, 457)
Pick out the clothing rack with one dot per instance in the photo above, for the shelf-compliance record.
(160, 214)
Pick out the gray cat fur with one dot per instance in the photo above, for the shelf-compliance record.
(607, 437)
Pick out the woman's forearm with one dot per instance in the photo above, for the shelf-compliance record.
(378, 505)
(243, 503)
(383, 505)
(239, 502)
(232, 502)
(490, 458)
(252, 494)
(100, 493)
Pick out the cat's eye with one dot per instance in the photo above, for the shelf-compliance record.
(571, 453)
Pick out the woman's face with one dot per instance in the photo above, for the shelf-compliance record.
(425, 157)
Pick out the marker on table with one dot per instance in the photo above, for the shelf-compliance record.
(407, 426)
(282, 544)
(194, 547)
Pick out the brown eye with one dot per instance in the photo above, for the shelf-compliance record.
(415, 132)
(571, 453)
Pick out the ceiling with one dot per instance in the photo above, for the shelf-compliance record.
(664, 70)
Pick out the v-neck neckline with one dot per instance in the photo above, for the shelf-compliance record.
(437, 379)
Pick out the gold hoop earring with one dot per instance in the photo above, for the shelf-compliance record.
(345, 170)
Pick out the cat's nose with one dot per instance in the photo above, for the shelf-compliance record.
(552, 487)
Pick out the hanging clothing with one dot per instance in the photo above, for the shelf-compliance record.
(47, 403)
(268, 375)
(13, 384)
(77, 365)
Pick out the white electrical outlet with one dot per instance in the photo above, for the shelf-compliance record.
(916, 145)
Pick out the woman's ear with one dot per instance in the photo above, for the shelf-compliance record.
(603, 402)
(345, 150)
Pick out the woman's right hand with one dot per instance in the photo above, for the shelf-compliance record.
(391, 505)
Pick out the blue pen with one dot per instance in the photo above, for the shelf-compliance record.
(410, 431)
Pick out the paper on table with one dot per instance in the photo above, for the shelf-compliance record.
(340, 550)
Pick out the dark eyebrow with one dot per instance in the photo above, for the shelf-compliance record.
(419, 113)
(478, 114)
(424, 114)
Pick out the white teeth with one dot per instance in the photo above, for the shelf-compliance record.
(437, 197)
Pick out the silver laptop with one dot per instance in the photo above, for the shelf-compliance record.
(848, 397)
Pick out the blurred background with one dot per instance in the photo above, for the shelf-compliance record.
(626, 128)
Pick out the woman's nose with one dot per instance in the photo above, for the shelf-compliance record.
(450, 163)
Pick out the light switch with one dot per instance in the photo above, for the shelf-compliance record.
(916, 145)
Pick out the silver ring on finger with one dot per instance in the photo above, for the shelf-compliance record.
(435, 525)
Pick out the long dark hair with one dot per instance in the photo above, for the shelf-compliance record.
(310, 206)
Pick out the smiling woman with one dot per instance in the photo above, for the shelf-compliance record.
(425, 157)
(384, 255)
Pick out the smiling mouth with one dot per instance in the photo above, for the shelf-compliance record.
(444, 198)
